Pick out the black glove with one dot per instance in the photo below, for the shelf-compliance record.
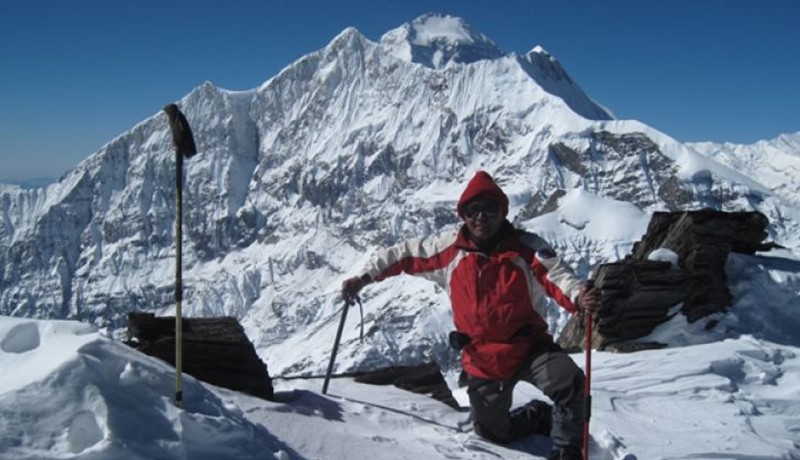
(459, 340)
(352, 286)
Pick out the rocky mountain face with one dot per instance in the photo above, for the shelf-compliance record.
(352, 147)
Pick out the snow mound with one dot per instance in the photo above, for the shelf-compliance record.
(75, 394)
(582, 212)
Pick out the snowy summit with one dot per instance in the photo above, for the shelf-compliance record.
(435, 41)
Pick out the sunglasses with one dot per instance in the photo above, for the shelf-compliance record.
(489, 209)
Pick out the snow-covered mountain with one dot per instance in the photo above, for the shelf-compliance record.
(352, 147)
(774, 163)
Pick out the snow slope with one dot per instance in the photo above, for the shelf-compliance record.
(70, 392)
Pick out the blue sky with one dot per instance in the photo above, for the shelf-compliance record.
(75, 74)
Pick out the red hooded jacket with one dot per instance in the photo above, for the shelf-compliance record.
(497, 294)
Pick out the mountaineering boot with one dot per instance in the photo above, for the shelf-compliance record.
(532, 418)
(565, 453)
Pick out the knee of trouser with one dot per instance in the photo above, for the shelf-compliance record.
(568, 390)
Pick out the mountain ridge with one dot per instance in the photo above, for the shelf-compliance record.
(347, 149)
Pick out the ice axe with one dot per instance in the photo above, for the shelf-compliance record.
(183, 142)
(338, 338)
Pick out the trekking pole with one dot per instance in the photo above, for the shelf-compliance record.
(183, 142)
(335, 347)
(587, 389)
(587, 386)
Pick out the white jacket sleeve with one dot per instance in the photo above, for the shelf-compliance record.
(429, 258)
(557, 279)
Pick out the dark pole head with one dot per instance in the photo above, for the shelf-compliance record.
(182, 138)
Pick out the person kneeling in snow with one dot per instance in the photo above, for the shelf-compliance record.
(497, 278)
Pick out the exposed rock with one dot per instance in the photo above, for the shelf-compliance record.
(568, 158)
(638, 294)
(425, 379)
(215, 350)
(702, 240)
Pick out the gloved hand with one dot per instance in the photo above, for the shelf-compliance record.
(352, 286)
(589, 299)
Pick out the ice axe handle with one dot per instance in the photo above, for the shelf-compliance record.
(335, 348)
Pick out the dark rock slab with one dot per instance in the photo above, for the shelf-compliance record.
(425, 379)
(215, 350)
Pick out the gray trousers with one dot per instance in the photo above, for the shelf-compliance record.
(554, 373)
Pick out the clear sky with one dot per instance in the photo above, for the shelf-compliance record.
(75, 74)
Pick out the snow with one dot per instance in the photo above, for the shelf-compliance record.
(538, 49)
(438, 41)
(774, 163)
(612, 226)
(732, 391)
(664, 255)
(432, 28)
(69, 392)
(596, 215)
